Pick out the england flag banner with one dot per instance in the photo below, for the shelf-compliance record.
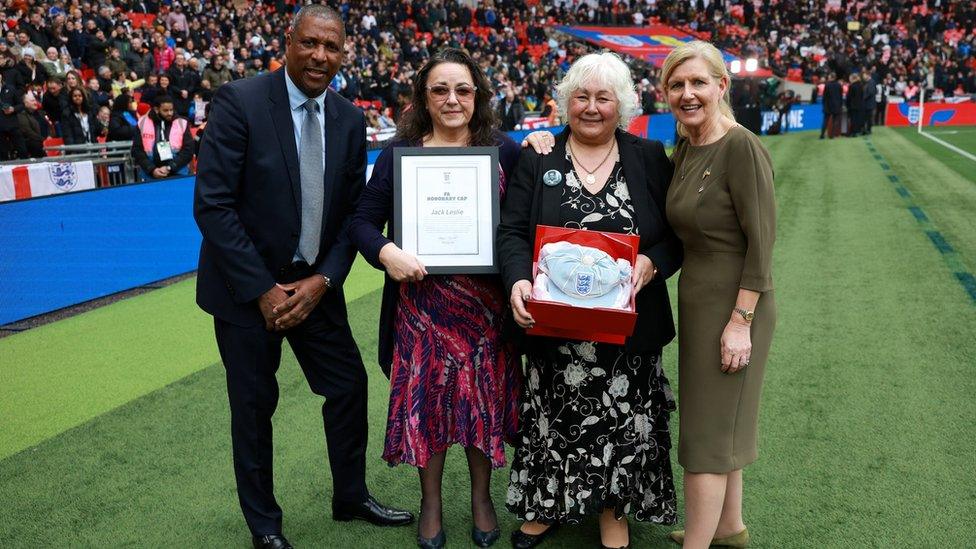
(45, 178)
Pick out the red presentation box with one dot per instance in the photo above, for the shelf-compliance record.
(587, 324)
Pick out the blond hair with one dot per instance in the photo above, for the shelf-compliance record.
(605, 68)
(708, 53)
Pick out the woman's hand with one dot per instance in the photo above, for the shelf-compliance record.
(644, 272)
(400, 265)
(521, 292)
(736, 346)
(541, 141)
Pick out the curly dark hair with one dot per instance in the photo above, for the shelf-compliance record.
(417, 123)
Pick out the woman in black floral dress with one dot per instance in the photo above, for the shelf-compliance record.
(594, 433)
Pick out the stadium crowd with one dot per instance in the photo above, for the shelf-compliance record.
(125, 56)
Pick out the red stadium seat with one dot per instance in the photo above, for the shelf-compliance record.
(140, 20)
(53, 142)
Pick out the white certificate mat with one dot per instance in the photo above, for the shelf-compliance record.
(446, 207)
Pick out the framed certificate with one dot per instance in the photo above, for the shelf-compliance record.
(445, 207)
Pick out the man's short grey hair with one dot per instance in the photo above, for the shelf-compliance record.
(317, 10)
(604, 69)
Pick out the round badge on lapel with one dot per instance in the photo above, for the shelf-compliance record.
(552, 178)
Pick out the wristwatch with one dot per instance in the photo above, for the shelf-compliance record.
(747, 315)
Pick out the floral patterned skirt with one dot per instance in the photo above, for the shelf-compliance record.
(455, 380)
(593, 434)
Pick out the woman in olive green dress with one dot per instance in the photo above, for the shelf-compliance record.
(721, 205)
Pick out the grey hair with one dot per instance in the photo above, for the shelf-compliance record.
(605, 68)
(317, 10)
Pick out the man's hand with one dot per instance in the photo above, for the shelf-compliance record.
(161, 172)
(304, 296)
(267, 303)
(184, 94)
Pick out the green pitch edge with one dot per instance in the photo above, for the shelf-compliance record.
(60, 375)
(952, 258)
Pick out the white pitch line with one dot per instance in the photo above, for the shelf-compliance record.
(950, 146)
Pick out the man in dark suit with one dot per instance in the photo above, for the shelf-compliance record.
(510, 110)
(833, 103)
(855, 106)
(273, 202)
(870, 101)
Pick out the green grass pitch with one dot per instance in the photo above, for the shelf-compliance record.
(116, 425)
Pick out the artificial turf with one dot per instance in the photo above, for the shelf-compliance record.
(60, 375)
(963, 137)
(867, 433)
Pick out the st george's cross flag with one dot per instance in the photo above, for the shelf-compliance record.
(45, 178)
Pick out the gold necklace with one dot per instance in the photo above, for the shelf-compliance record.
(590, 178)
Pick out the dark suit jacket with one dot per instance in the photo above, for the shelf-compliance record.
(376, 209)
(870, 91)
(247, 201)
(529, 203)
(855, 96)
(72, 131)
(833, 98)
(514, 116)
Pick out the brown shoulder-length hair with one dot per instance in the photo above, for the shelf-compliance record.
(417, 123)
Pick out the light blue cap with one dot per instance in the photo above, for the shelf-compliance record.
(583, 276)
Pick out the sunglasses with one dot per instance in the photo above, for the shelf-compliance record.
(462, 92)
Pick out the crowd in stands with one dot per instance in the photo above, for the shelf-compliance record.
(84, 71)
(910, 43)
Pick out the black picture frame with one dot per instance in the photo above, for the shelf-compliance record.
(485, 261)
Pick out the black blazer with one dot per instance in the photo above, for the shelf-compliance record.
(529, 203)
(247, 200)
(72, 131)
(855, 96)
(376, 209)
(833, 98)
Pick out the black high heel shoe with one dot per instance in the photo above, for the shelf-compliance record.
(485, 539)
(436, 542)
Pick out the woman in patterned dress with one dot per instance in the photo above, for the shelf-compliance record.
(453, 378)
(593, 433)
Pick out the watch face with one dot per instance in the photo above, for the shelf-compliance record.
(749, 316)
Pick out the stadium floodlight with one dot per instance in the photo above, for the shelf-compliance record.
(752, 65)
(735, 66)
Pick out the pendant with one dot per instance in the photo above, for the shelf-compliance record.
(590, 179)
